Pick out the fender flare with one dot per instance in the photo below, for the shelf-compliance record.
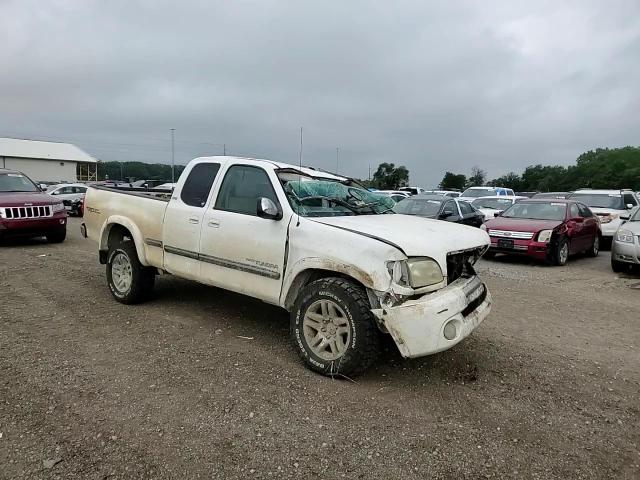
(138, 239)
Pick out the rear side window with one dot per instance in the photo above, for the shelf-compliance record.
(241, 188)
(198, 184)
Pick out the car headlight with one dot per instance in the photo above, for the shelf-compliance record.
(545, 236)
(416, 272)
(483, 227)
(57, 207)
(624, 236)
(608, 218)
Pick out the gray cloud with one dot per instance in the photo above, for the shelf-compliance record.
(435, 87)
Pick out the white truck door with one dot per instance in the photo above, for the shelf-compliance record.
(239, 250)
(183, 219)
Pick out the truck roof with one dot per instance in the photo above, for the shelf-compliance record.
(309, 171)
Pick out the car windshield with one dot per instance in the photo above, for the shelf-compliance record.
(311, 197)
(16, 182)
(537, 211)
(477, 192)
(494, 203)
(636, 216)
(600, 200)
(423, 207)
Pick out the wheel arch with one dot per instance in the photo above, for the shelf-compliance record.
(308, 275)
(116, 229)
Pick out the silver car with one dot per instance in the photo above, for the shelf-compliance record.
(625, 248)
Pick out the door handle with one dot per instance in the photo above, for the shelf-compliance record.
(214, 223)
(194, 220)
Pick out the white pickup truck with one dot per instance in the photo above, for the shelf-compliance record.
(332, 254)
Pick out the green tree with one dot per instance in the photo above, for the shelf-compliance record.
(390, 177)
(453, 181)
(510, 180)
(477, 178)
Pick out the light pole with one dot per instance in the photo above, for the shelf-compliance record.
(173, 160)
(337, 158)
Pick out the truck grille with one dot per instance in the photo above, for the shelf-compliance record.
(460, 264)
(510, 234)
(15, 213)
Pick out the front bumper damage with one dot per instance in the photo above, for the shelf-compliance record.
(418, 326)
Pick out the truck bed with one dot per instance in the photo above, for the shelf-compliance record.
(139, 210)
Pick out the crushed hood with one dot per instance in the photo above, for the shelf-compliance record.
(415, 236)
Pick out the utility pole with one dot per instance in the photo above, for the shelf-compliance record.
(173, 159)
(337, 159)
(121, 171)
(300, 159)
(224, 149)
(369, 172)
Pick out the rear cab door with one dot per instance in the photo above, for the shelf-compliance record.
(183, 219)
(239, 250)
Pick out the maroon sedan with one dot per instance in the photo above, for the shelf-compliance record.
(549, 229)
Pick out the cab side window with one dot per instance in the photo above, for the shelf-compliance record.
(450, 208)
(198, 184)
(241, 188)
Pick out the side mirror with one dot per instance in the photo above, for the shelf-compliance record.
(445, 215)
(496, 214)
(268, 209)
(630, 206)
(625, 216)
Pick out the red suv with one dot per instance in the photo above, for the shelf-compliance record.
(549, 229)
(26, 211)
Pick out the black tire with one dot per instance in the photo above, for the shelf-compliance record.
(142, 278)
(57, 236)
(617, 266)
(560, 254)
(595, 247)
(489, 255)
(362, 345)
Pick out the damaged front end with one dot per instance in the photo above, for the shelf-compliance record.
(426, 313)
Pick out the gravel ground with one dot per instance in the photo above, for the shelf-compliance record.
(202, 383)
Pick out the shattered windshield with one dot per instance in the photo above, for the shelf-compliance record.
(312, 197)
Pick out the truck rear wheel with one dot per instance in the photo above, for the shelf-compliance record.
(333, 329)
(129, 281)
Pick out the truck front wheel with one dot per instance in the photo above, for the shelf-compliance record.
(129, 281)
(333, 329)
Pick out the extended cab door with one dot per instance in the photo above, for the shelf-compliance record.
(240, 251)
(183, 219)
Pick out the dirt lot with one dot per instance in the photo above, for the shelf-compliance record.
(547, 387)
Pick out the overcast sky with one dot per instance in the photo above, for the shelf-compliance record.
(433, 86)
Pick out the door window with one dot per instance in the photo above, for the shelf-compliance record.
(628, 198)
(465, 208)
(573, 211)
(241, 188)
(449, 208)
(584, 211)
(198, 184)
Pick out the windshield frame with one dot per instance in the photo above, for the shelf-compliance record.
(355, 200)
(517, 205)
(36, 189)
(483, 191)
(583, 196)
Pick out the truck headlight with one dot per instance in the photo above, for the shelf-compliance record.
(545, 236)
(624, 236)
(57, 207)
(424, 271)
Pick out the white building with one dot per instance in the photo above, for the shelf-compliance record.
(47, 161)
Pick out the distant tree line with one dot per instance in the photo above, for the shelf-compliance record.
(602, 168)
(137, 171)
